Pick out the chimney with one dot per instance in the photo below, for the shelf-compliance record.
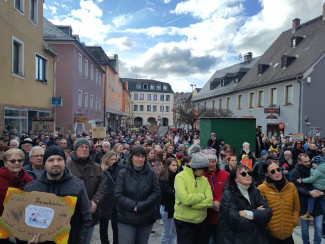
(248, 56)
(295, 24)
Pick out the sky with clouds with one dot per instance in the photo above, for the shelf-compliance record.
(180, 42)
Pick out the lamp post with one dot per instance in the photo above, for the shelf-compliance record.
(193, 85)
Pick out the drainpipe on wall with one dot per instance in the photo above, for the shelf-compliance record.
(104, 108)
(300, 101)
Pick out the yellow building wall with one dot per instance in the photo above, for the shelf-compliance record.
(23, 91)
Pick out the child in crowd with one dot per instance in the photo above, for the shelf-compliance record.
(317, 179)
(285, 171)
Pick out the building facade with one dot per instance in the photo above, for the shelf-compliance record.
(151, 102)
(79, 81)
(283, 88)
(27, 68)
(126, 101)
(112, 88)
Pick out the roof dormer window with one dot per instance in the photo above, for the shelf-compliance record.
(158, 87)
(222, 82)
(145, 86)
(295, 40)
(286, 61)
(164, 87)
(261, 68)
(214, 83)
(236, 80)
(152, 86)
(139, 86)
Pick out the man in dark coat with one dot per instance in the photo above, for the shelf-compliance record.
(214, 143)
(57, 179)
(301, 170)
(84, 168)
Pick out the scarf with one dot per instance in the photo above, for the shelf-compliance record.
(211, 173)
(247, 151)
(279, 184)
(300, 149)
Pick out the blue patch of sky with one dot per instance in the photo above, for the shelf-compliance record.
(252, 7)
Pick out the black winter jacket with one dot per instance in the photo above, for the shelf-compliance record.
(234, 229)
(68, 185)
(303, 189)
(139, 189)
(168, 194)
(108, 202)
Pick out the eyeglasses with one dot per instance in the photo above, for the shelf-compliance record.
(273, 170)
(16, 160)
(38, 156)
(244, 174)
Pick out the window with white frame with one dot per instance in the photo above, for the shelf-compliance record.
(145, 86)
(41, 68)
(154, 97)
(239, 98)
(161, 108)
(164, 87)
(135, 96)
(96, 103)
(158, 87)
(260, 99)
(92, 72)
(91, 101)
(154, 108)
(86, 100)
(152, 86)
(86, 68)
(139, 86)
(135, 107)
(19, 5)
(149, 108)
(33, 11)
(141, 96)
(96, 76)
(251, 100)
(99, 104)
(17, 57)
(141, 108)
(273, 96)
(167, 109)
(80, 98)
(80, 64)
(149, 97)
(162, 97)
(288, 95)
(167, 97)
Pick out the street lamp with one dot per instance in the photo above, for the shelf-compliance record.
(193, 85)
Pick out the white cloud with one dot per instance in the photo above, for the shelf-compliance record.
(44, 6)
(260, 31)
(53, 9)
(204, 9)
(86, 22)
(122, 20)
(123, 43)
(100, 1)
(167, 1)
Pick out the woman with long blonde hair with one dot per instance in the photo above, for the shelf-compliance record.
(111, 168)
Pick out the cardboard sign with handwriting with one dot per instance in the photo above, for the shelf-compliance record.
(99, 132)
(29, 213)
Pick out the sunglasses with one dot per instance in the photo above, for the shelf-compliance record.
(249, 173)
(273, 170)
(16, 160)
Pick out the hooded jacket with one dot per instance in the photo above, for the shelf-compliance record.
(140, 189)
(93, 177)
(7, 179)
(235, 229)
(317, 177)
(68, 185)
(193, 196)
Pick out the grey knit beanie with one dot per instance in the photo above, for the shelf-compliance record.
(199, 160)
(80, 142)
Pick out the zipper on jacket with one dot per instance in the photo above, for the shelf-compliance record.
(281, 214)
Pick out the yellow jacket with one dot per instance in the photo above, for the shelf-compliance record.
(285, 207)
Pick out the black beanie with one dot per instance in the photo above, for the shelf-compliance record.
(53, 150)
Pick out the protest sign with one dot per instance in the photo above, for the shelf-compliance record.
(247, 162)
(153, 129)
(297, 137)
(29, 213)
(99, 132)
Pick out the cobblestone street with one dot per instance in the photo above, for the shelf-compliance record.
(158, 228)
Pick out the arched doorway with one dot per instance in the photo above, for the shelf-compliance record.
(164, 122)
(152, 121)
(138, 121)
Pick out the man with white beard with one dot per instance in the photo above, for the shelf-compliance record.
(287, 159)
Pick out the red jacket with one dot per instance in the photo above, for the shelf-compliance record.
(217, 187)
(7, 179)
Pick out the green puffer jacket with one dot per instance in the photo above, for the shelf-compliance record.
(317, 177)
(192, 197)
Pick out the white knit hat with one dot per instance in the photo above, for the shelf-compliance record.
(199, 160)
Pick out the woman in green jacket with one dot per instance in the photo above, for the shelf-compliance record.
(193, 197)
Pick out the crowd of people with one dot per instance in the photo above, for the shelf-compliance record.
(134, 178)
